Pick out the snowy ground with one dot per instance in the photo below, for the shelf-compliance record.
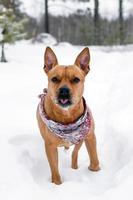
(24, 171)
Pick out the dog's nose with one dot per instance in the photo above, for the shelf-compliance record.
(64, 96)
(64, 91)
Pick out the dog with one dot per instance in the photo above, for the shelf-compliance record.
(63, 115)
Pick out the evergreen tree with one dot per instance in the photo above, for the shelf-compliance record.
(11, 28)
(96, 23)
(121, 22)
(46, 17)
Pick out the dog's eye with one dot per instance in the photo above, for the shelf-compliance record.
(76, 80)
(55, 80)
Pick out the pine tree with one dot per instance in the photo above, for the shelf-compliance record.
(121, 22)
(46, 17)
(96, 23)
(11, 28)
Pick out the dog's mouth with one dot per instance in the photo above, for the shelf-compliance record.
(64, 97)
(64, 102)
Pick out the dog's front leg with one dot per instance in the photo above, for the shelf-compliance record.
(52, 155)
(90, 143)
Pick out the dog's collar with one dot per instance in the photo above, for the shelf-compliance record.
(72, 132)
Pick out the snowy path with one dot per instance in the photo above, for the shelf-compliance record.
(24, 171)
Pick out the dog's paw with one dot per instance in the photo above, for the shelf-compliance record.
(74, 166)
(94, 168)
(56, 180)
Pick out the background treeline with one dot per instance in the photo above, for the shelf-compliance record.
(88, 27)
(80, 29)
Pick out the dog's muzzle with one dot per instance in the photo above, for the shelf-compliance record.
(64, 97)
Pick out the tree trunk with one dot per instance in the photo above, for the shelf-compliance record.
(121, 22)
(46, 17)
(96, 23)
(3, 58)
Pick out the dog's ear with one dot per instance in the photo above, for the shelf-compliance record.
(83, 60)
(50, 60)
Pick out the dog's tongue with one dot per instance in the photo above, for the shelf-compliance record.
(64, 101)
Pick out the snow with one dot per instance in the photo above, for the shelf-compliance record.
(108, 9)
(24, 170)
(45, 38)
(56, 8)
(60, 7)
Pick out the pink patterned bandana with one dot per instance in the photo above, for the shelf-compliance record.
(72, 132)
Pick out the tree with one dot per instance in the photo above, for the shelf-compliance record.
(96, 22)
(46, 17)
(121, 22)
(11, 28)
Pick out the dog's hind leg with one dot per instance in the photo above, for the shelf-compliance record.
(75, 155)
(90, 143)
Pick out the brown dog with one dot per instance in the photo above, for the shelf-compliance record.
(63, 105)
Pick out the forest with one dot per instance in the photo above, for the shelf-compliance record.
(83, 27)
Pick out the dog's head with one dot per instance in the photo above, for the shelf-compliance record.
(66, 83)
